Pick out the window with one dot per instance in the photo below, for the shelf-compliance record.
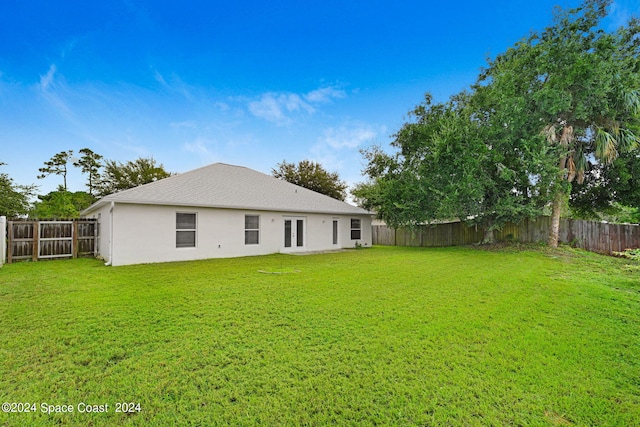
(356, 229)
(251, 229)
(185, 230)
(335, 231)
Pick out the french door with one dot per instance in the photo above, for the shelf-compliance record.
(294, 232)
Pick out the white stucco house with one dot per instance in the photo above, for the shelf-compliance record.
(220, 211)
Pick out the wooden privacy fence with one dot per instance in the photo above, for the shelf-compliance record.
(590, 235)
(35, 240)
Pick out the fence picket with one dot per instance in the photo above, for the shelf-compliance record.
(589, 235)
(51, 239)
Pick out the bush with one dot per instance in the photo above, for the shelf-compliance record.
(633, 254)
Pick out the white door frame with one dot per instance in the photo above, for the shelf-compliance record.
(294, 243)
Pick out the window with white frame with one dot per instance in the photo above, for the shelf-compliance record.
(185, 230)
(356, 229)
(252, 229)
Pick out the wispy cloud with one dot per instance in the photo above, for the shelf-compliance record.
(337, 148)
(200, 147)
(324, 94)
(621, 12)
(47, 79)
(174, 85)
(133, 145)
(349, 136)
(56, 93)
(279, 108)
(67, 48)
(276, 108)
(190, 124)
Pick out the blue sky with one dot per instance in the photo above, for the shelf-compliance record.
(249, 83)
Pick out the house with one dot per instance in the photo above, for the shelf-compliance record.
(221, 211)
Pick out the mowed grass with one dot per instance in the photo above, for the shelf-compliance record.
(383, 336)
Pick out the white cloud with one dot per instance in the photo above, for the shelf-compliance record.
(45, 80)
(276, 107)
(160, 79)
(337, 149)
(279, 108)
(618, 16)
(200, 146)
(190, 124)
(349, 136)
(175, 85)
(324, 94)
(222, 106)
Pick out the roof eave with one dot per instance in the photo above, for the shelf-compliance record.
(103, 201)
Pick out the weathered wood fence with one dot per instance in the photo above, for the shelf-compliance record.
(36, 240)
(590, 235)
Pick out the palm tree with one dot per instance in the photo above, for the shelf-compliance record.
(578, 85)
(604, 139)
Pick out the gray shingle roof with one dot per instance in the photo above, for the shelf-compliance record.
(226, 186)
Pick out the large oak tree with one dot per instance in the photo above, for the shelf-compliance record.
(581, 85)
(526, 131)
(117, 176)
(313, 176)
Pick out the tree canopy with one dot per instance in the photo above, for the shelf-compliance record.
(119, 176)
(610, 191)
(61, 204)
(581, 85)
(455, 162)
(14, 198)
(526, 130)
(57, 165)
(313, 176)
(90, 163)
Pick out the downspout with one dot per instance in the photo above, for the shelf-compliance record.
(108, 263)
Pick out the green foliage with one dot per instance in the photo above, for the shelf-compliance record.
(455, 160)
(538, 112)
(632, 254)
(57, 166)
(610, 191)
(580, 84)
(14, 198)
(90, 164)
(313, 176)
(61, 204)
(119, 176)
(384, 336)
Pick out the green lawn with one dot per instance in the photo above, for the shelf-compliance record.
(382, 336)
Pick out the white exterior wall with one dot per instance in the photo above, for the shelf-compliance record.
(147, 233)
(103, 216)
(3, 239)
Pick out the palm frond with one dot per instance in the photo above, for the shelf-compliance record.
(571, 167)
(606, 150)
(632, 100)
(567, 136)
(627, 140)
(549, 133)
(580, 162)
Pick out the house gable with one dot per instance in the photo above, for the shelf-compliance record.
(233, 187)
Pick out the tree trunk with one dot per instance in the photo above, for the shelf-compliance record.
(488, 237)
(488, 234)
(554, 231)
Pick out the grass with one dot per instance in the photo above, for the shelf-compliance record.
(384, 336)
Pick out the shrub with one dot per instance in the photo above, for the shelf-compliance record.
(633, 254)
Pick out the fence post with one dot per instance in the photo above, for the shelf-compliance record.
(3, 239)
(36, 241)
(74, 240)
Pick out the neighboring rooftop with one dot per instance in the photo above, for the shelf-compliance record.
(233, 187)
